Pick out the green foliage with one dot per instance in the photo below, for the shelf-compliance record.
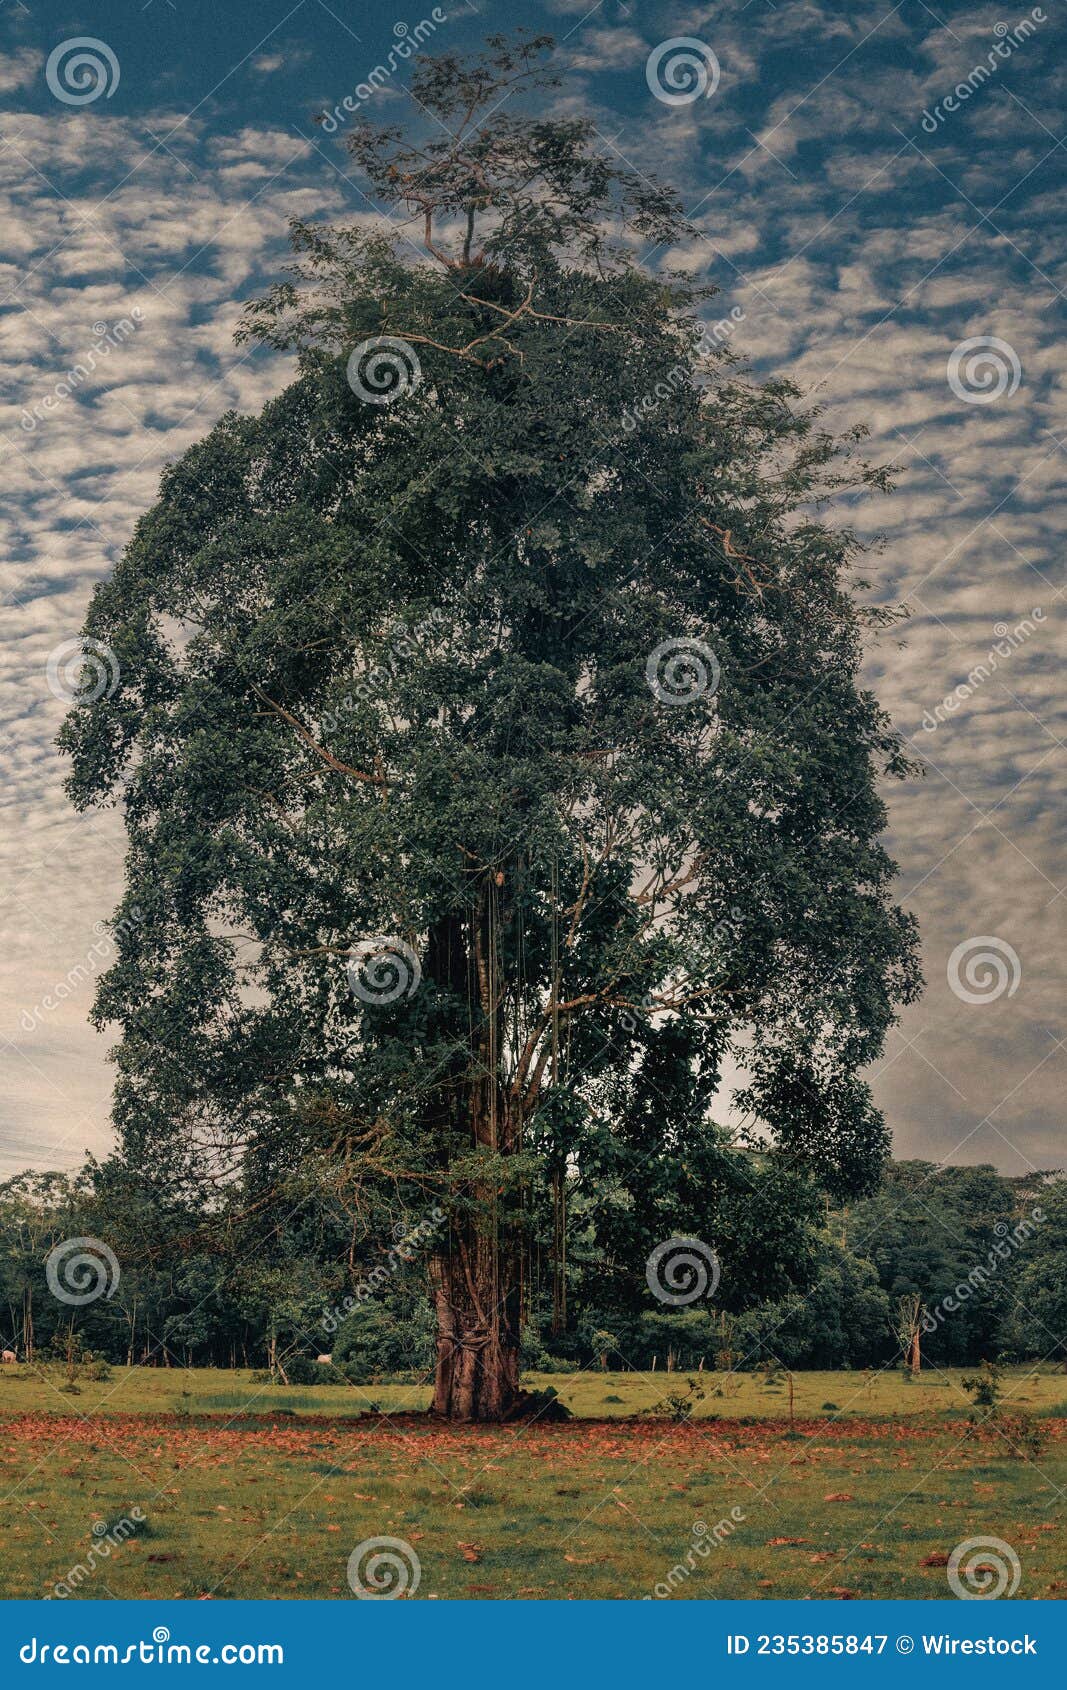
(842, 1320)
(545, 1405)
(1040, 1314)
(1023, 1435)
(385, 1337)
(168, 1253)
(984, 1389)
(931, 1231)
(678, 1405)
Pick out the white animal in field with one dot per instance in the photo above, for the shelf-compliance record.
(7, 1357)
(324, 1360)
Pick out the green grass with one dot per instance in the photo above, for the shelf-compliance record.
(244, 1499)
(592, 1395)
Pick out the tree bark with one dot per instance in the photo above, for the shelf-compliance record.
(477, 1370)
(475, 1275)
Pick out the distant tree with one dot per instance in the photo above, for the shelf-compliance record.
(37, 1211)
(504, 656)
(842, 1320)
(930, 1232)
(910, 1316)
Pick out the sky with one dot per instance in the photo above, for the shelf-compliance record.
(878, 193)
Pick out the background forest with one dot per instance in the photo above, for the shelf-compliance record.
(256, 1281)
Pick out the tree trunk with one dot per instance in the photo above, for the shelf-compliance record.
(475, 1273)
(477, 1372)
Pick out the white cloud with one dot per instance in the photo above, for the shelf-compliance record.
(19, 69)
(858, 276)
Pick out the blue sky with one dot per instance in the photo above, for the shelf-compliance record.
(878, 189)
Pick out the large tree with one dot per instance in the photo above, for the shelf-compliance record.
(489, 735)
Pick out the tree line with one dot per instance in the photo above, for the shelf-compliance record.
(273, 1278)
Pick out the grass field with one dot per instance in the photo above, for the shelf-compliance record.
(254, 1490)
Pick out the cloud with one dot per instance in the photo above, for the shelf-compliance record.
(285, 57)
(862, 254)
(20, 69)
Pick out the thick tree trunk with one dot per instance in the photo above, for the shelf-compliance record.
(475, 1275)
(477, 1372)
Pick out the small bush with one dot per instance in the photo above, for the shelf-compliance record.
(678, 1406)
(301, 1370)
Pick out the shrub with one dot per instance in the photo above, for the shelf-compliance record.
(378, 1337)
